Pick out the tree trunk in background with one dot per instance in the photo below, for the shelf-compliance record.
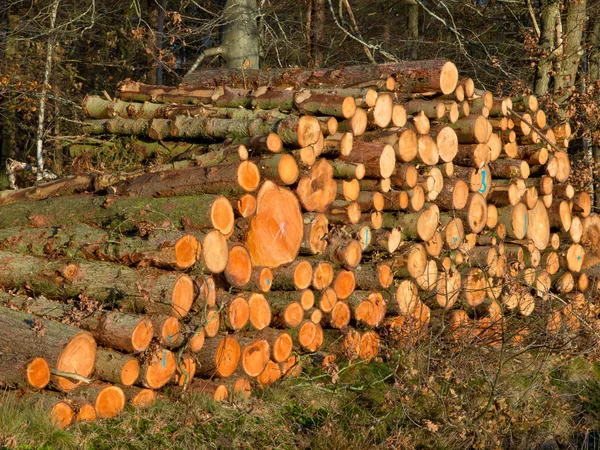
(413, 26)
(151, 44)
(240, 33)
(550, 11)
(316, 33)
(572, 48)
(593, 41)
(159, 41)
(9, 118)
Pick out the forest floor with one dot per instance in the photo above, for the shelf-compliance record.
(438, 396)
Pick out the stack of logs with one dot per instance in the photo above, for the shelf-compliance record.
(300, 212)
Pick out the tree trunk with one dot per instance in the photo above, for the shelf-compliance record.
(240, 34)
(572, 47)
(413, 27)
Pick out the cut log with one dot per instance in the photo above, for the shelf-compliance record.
(157, 368)
(126, 332)
(64, 348)
(409, 76)
(275, 233)
(116, 367)
(219, 356)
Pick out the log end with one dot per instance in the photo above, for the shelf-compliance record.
(227, 356)
(37, 373)
(255, 357)
(248, 176)
(143, 398)
(142, 335)
(110, 402)
(160, 369)
(303, 275)
(260, 311)
(183, 296)
(130, 372)
(186, 251)
(282, 347)
(238, 313)
(78, 356)
(221, 215)
(238, 270)
(448, 78)
(86, 413)
(215, 252)
(276, 230)
(62, 415)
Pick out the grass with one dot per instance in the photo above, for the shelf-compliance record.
(428, 397)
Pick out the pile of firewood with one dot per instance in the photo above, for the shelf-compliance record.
(322, 212)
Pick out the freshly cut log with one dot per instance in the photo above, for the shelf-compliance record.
(379, 160)
(410, 262)
(164, 292)
(473, 129)
(19, 371)
(116, 367)
(219, 356)
(297, 275)
(508, 168)
(316, 227)
(215, 390)
(474, 214)
(269, 375)
(356, 125)
(167, 330)
(373, 277)
(475, 287)
(108, 400)
(326, 104)
(186, 369)
(538, 226)
(168, 250)
(60, 411)
(339, 316)
(323, 274)
(514, 219)
(238, 270)
(409, 76)
(64, 348)
(260, 311)
(255, 355)
(280, 342)
(286, 313)
(139, 397)
(318, 190)
(326, 300)
(158, 366)
(235, 309)
(472, 155)
(275, 232)
(113, 329)
(125, 213)
(381, 114)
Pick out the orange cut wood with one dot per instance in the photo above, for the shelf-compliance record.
(276, 230)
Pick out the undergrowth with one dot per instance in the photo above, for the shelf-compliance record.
(425, 397)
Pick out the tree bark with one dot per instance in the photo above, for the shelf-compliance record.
(409, 76)
(64, 348)
(113, 285)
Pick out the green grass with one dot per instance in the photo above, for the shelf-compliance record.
(23, 426)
